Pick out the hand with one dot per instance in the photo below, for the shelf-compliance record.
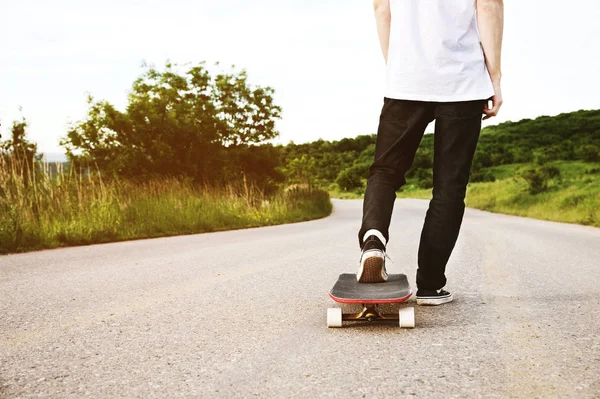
(496, 102)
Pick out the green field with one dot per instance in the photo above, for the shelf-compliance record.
(572, 198)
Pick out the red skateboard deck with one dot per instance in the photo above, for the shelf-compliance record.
(348, 290)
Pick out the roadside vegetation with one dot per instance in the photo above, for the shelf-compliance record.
(72, 208)
(546, 168)
(188, 155)
(191, 154)
(571, 196)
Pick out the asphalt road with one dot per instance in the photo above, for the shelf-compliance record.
(242, 314)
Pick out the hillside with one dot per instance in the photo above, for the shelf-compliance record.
(343, 165)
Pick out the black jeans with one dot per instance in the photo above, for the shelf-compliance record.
(401, 126)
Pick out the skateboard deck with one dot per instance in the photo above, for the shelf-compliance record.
(347, 290)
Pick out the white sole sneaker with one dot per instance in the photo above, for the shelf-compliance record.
(372, 267)
(434, 300)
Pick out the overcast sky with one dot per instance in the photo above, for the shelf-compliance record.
(322, 58)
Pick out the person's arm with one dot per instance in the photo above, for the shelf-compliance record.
(490, 21)
(383, 17)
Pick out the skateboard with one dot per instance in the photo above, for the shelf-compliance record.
(370, 295)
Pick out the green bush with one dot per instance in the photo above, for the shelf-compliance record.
(540, 156)
(482, 159)
(423, 159)
(588, 153)
(538, 178)
(424, 178)
(482, 176)
(350, 179)
(593, 171)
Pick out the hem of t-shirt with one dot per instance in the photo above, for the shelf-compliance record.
(436, 98)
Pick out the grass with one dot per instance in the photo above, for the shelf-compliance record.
(39, 211)
(574, 198)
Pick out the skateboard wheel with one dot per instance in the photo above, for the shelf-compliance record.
(334, 317)
(406, 317)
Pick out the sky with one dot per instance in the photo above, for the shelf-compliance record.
(322, 58)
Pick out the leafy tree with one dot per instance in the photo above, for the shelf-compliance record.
(175, 124)
(482, 158)
(483, 175)
(424, 178)
(246, 115)
(18, 153)
(423, 160)
(258, 163)
(349, 179)
(367, 155)
(301, 170)
(589, 153)
(19, 145)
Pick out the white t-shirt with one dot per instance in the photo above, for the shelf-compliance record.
(435, 53)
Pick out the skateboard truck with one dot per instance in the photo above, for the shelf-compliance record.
(369, 313)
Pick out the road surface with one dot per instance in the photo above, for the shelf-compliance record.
(242, 314)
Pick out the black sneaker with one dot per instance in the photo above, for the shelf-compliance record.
(372, 262)
(433, 297)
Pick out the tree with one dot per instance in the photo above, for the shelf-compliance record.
(589, 153)
(18, 153)
(19, 145)
(175, 124)
(260, 164)
(424, 178)
(301, 170)
(246, 115)
(351, 178)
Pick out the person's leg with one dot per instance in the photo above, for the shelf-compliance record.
(457, 129)
(401, 127)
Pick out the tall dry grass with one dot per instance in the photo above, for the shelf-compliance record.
(47, 206)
